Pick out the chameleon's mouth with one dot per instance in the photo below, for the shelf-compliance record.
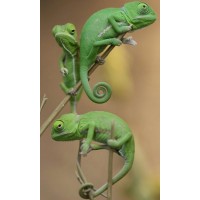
(61, 136)
(150, 17)
(143, 20)
(66, 41)
(63, 45)
(65, 36)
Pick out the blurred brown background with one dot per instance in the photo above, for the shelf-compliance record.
(136, 99)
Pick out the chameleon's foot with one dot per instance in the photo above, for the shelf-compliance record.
(100, 60)
(64, 71)
(72, 92)
(113, 143)
(85, 148)
(131, 27)
(129, 40)
(96, 147)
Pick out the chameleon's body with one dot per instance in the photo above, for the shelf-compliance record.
(96, 126)
(66, 38)
(102, 29)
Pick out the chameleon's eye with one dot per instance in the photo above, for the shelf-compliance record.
(58, 126)
(72, 32)
(143, 9)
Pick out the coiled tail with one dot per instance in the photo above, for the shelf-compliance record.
(125, 169)
(101, 92)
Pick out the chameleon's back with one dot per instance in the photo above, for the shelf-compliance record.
(91, 30)
(104, 121)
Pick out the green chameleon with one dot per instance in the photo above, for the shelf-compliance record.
(96, 126)
(66, 38)
(102, 29)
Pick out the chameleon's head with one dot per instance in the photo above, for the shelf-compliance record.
(139, 14)
(66, 37)
(65, 128)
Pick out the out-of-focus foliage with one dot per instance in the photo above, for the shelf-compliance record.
(117, 72)
(144, 183)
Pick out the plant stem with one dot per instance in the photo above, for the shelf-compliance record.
(53, 115)
(43, 102)
(110, 167)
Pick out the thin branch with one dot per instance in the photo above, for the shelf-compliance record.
(53, 115)
(77, 88)
(44, 100)
(87, 187)
(80, 175)
(110, 166)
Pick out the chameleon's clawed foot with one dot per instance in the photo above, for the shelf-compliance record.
(91, 148)
(85, 148)
(113, 143)
(131, 27)
(72, 92)
(129, 40)
(88, 148)
(100, 60)
(64, 71)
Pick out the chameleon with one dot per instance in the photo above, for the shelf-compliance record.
(96, 126)
(104, 28)
(66, 37)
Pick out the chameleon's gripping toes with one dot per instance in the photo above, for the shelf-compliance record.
(102, 29)
(96, 126)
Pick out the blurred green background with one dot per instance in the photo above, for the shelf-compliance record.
(134, 74)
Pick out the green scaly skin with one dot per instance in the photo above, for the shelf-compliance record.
(66, 38)
(102, 29)
(96, 126)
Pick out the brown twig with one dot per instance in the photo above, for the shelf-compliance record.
(110, 167)
(82, 178)
(44, 100)
(53, 115)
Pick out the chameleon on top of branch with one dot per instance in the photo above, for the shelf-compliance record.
(96, 126)
(102, 29)
(66, 37)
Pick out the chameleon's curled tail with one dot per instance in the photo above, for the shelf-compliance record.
(101, 91)
(125, 169)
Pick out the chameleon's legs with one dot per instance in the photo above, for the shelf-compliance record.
(119, 142)
(64, 88)
(85, 147)
(110, 41)
(113, 19)
(73, 98)
(100, 147)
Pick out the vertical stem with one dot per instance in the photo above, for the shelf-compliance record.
(110, 167)
(43, 102)
(78, 165)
